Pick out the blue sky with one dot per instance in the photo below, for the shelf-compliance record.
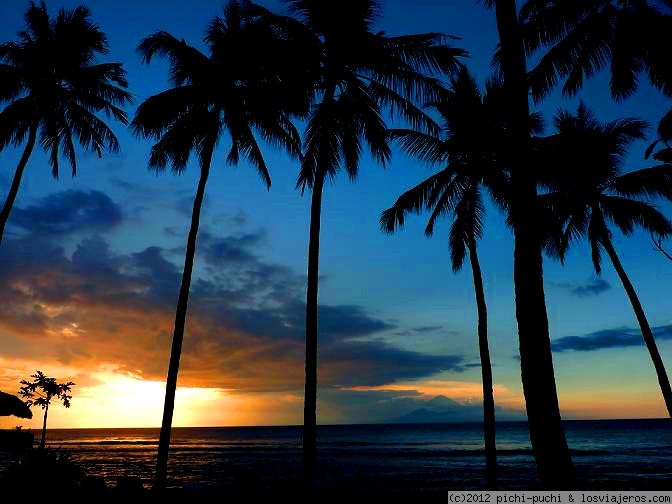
(402, 282)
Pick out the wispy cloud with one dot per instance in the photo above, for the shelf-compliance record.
(619, 337)
(593, 287)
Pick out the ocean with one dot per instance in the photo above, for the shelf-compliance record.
(610, 454)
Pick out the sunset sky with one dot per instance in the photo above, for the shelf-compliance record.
(90, 269)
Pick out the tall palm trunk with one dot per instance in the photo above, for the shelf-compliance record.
(16, 181)
(43, 440)
(543, 413)
(486, 371)
(178, 334)
(644, 326)
(310, 400)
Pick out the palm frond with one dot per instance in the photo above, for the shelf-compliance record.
(448, 197)
(419, 145)
(627, 214)
(399, 106)
(158, 112)
(428, 53)
(187, 64)
(597, 234)
(414, 200)
(582, 52)
(653, 182)
(15, 121)
(92, 133)
(467, 224)
(245, 142)
(189, 132)
(322, 145)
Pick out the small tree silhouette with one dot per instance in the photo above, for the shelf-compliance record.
(40, 391)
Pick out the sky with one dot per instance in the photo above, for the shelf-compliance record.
(91, 268)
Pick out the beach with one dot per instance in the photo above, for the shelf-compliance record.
(415, 458)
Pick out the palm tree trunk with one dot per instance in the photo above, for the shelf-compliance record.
(644, 326)
(178, 334)
(43, 440)
(547, 434)
(16, 181)
(486, 371)
(310, 399)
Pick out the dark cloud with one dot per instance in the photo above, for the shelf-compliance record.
(609, 338)
(231, 249)
(592, 287)
(379, 363)
(68, 211)
(245, 327)
(424, 330)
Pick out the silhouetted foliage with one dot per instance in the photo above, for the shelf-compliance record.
(48, 471)
(584, 37)
(246, 86)
(56, 91)
(589, 192)
(360, 74)
(41, 391)
(471, 147)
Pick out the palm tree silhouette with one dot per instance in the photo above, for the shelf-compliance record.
(240, 87)
(589, 191)
(361, 72)
(632, 37)
(470, 148)
(55, 88)
(547, 434)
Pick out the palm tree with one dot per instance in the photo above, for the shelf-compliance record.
(589, 191)
(581, 38)
(631, 36)
(470, 149)
(40, 391)
(547, 434)
(55, 88)
(361, 72)
(240, 87)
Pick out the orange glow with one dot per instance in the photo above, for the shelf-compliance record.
(109, 398)
(613, 403)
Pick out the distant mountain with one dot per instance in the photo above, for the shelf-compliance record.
(441, 409)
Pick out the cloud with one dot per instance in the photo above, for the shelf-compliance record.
(231, 249)
(619, 337)
(65, 212)
(593, 287)
(245, 327)
(428, 330)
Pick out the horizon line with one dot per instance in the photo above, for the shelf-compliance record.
(359, 424)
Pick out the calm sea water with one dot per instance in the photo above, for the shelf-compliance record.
(614, 454)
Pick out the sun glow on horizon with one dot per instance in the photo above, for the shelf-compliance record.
(114, 399)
